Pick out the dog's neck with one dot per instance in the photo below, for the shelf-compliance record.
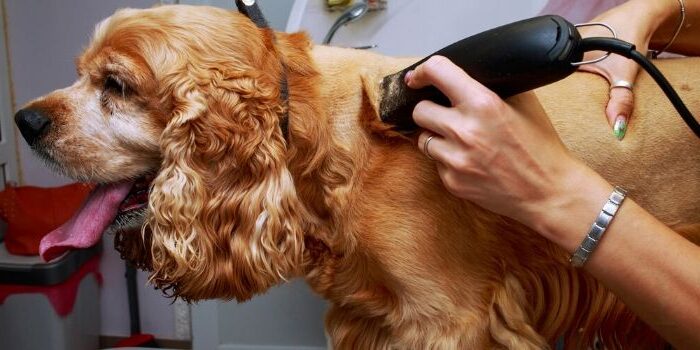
(333, 95)
(331, 90)
(319, 165)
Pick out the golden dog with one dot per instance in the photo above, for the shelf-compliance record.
(190, 96)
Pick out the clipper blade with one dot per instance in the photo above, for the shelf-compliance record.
(398, 101)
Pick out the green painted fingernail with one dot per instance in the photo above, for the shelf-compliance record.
(620, 127)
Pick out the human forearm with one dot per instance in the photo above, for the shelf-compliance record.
(651, 268)
(506, 157)
(666, 14)
(655, 272)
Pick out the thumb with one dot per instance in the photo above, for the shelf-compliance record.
(619, 110)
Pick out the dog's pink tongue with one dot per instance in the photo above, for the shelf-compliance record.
(85, 228)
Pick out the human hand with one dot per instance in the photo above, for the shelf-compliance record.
(634, 21)
(503, 156)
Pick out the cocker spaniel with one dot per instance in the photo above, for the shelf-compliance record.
(177, 112)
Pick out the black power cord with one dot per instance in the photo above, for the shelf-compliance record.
(626, 49)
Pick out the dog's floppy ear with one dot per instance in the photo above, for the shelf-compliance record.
(225, 220)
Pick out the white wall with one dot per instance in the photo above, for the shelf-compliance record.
(276, 11)
(8, 154)
(417, 27)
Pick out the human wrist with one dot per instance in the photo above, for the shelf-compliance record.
(661, 9)
(573, 205)
(665, 15)
(651, 14)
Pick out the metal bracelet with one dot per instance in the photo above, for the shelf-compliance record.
(656, 53)
(601, 223)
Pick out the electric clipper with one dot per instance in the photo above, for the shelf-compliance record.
(511, 59)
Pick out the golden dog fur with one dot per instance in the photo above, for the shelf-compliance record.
(354, 209)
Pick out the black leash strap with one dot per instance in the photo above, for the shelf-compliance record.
(251, 10)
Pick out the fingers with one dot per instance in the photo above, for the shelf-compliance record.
(436, 118)
(427, 142)
(447, 77)
(620, 106)
(467, 96)
(619, 110)
(435, 147)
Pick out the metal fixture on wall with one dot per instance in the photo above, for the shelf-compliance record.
(351, 14)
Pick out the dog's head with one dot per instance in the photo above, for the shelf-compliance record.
(189, 99)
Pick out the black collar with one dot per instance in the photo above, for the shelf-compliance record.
(251, 10)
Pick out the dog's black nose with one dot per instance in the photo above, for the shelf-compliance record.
(32, 124)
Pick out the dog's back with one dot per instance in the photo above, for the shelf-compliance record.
(433, 271)
(659, 158)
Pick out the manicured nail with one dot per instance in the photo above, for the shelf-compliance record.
(408, 76)
(620, 127)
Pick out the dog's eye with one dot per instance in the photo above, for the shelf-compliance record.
(114, 85)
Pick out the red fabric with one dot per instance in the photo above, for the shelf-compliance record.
(32, 212)
(136, 340)
(61, 296)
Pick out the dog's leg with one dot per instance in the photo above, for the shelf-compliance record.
(509, 322)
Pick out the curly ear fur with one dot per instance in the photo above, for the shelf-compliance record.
(224, 218)
(224, 213)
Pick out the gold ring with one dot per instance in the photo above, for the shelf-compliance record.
(425, 147)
